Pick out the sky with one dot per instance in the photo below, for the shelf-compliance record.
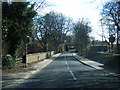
(76, 9)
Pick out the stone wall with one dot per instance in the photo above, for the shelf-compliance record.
(38, 56)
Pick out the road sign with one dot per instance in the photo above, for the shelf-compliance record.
(112, 38)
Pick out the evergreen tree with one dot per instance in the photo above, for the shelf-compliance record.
(17, 23)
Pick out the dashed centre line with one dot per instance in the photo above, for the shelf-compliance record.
(70, 70)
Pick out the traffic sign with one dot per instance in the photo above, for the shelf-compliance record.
(112, 38)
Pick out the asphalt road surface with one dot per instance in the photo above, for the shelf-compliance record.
(67, 72)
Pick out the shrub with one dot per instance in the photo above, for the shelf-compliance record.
(7, 62)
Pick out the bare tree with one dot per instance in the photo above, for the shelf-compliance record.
(81, 36)
(51, 30)
(111, 18)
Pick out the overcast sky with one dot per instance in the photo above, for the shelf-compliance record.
(76, 9)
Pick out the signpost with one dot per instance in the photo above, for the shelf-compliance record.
(112, 39)
(118, 37)
(26, 56)
(26, 47)
(118, 41)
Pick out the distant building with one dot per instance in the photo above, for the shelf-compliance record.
(66, 47)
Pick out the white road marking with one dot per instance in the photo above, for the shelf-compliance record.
(73, 75)
(66, 62)
(70, 70)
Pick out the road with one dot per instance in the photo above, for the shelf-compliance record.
(67, 72)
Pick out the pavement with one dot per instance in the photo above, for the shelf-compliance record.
(94, 64)
(89, 62)
(18, 77)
